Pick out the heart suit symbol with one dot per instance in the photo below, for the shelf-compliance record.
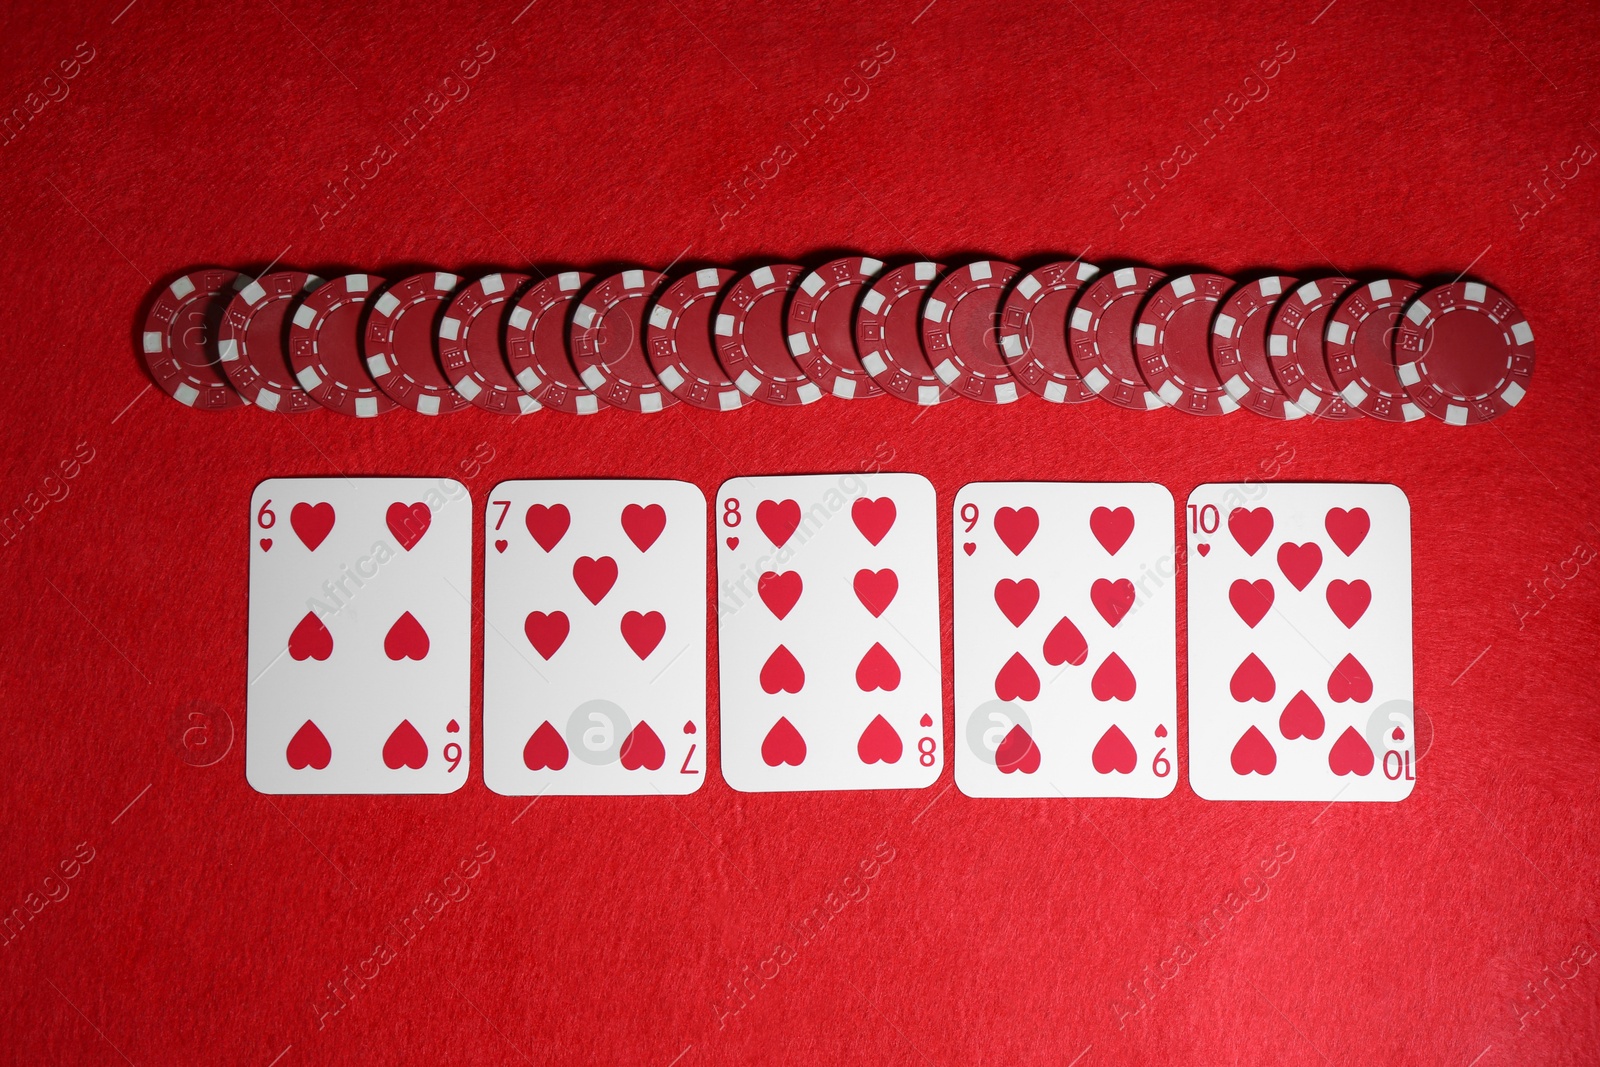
(1251, 600)
(783, 745)
(1016, 527)
(1017, 752)
(1113, 680)
(779, 592)
(1112, 600)
(1350, 754)
(1111, 527)
(1065, 644)
(879, 743)
(1301, 718)
(644, 524)
(643, 632)
(1252, 681)
(310, 639)
(1017, 680)
(311, 523)
(548, 525)
(308, 748)
(1114, 752)
(877, 670)
(595, 577)
(778, 519)
(1299, 563)
(1347, 528)
(873, 517)
(406, 639)
(1349, 600)
(408, 522)
(876, 589)
(1253, 754)
(1016, 600)
(642, 748)
(405, 748)
(1250, 528)
(546, 633)
(782, 673)
(545, 749)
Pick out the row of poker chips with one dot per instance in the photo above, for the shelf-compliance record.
(1206, 344)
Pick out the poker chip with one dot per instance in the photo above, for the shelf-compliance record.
(678, 342)
(250, 342)
(889, 335)
(1359, 347)
(1100, 337)
(714, 338)
(179, 334)
(959, 332)
(1295, 349)
(1239, 347)
(1033, 331)
(536, 344)
(1464, 353)
(325, 347)
(1173, 343)
(399, 344)
(822, 339)
(751, 341)
(469, 345)
(606, 342)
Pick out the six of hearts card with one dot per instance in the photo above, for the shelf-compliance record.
(360, 636)
(829, 639)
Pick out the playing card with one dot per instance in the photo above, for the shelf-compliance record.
(360, 635)
(828, 616)
(1065, 640)
(594, 659)
(1300, 642)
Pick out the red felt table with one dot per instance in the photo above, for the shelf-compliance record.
(204, 922)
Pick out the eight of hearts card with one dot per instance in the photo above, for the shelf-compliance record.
(1300, 642)
(828, 616)
(360, 636)
(594, 668)
(1065, 634)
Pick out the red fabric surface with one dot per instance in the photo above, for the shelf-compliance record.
(210, 920)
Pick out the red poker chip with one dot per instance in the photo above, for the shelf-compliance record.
(325, 347)
(179, 334)
(751, 344)
(1464, 353)
(606, 342)
(1296, 352)
(1359, 345)
(1173, 342)
(1100, 337)
(536, 344)
(1033, 331)
(250, 342)
(1239, 347)
(889, 335)
(822, 339)
(399, 344)
(678, 342)
(959, 333)
(469, 345)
